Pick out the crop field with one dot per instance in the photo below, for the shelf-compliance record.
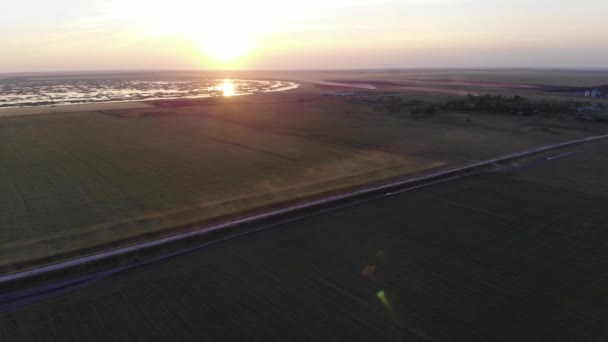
(77, 182)
(558, 77)
(585, 78)
(512, 256)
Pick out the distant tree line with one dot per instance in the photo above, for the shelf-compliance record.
(504, 104)
(488, 103)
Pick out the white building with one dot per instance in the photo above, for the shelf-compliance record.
(593, 93)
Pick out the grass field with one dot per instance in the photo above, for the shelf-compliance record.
(514, 256)
(82, 181)
(565, 77)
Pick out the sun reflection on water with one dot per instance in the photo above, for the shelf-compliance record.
(227, 88)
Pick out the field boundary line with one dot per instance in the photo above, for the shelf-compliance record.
(388, 189)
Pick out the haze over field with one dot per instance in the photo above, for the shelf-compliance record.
(315, 34)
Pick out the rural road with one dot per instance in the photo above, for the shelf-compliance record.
(11, 301)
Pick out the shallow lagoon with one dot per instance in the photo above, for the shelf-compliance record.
(22, 93)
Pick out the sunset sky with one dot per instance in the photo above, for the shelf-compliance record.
(42, 35)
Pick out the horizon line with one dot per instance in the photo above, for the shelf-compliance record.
(106, 71)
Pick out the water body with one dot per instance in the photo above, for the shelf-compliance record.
(24, 92)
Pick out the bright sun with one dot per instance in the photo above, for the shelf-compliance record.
(224, 31)
(226, 45)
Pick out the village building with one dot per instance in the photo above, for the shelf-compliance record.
(593, 93)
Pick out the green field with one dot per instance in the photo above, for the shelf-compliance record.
(563, 77)
(513, 256)
(79, 182)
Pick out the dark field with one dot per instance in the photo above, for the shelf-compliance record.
(513, 256)
(91, 180)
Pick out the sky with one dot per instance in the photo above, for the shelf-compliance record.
(61, 35)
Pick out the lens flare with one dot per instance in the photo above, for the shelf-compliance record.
(382, 296)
